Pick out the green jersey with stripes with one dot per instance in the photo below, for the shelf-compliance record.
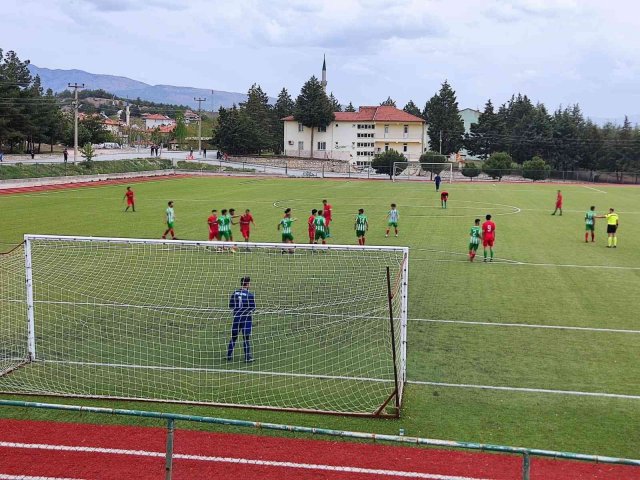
(361, 222)
(393, 216)
(590, 217)
(319, 222)
(171, 216)
(285, 224)
(474, 235)
(225, 223)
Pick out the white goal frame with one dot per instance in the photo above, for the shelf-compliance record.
(399, 346)
(416, 171)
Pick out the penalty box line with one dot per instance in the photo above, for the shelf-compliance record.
(238, 461)
(526, 325)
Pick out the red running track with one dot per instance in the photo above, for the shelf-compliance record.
(75, 451)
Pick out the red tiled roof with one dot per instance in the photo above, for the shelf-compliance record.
(382, 113)
(108, 121)
(157, 116)
(166, 128)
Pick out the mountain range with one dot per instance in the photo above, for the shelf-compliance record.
(57, 80)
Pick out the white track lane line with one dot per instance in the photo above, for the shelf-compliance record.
(6, 476)
(242, 461)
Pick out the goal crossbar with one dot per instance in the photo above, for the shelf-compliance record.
(152, 320)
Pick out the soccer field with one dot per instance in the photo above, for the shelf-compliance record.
(550, 314)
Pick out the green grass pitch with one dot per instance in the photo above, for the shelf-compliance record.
(544, 274)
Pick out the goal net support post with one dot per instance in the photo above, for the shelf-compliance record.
(153, 319)
(422, 171)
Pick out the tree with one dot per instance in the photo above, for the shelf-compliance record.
(234, 131)
(445, 127)
(413, 109)
(498, 165)
(88, 152)
(484, 136)
(389, 102)
(258, 112)
(535, 169)
(181, 129)
(335, 104)
(470, 170)
(383, 162)
(438, 162)
(313, 108)
(283, 108)
(350, 108)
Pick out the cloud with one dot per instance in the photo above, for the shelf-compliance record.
(131, 5)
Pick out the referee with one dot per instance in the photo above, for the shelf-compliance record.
(612, 227)
(242, 304)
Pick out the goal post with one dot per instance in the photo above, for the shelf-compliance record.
(422, 171)
(152, 320)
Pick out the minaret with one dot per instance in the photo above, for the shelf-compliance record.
(324, 73)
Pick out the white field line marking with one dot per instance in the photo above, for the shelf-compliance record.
(527, 390)
(6, 476)
(526, 325)
(594, 189)
(242, 461)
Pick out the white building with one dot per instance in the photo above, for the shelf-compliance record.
(156, 120)
(468, 116)
(358, 136)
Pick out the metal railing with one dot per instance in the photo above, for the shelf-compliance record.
(171, 419)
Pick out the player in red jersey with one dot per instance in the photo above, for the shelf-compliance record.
(312, 226)
(488, 236)
(213, 225)
(558, 203)
(130, 200)
(327, 214)
(444, 196)
(245, 224)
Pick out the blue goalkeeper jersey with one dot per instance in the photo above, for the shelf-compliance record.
(242, 302)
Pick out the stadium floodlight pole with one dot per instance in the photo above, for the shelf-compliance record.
(76, 87)
(199, 100)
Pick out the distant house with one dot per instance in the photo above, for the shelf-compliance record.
(468, 116)
(112, 126)
(167, 128)
(157, 120)
(358, 136)
(191, 116)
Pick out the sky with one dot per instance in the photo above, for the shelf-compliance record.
(558, 52)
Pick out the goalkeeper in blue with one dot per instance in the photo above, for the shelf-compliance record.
(242, 303)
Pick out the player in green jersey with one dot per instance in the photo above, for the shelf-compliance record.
(170, 219)
(361, 226)
(285, 227)
(474, 239)
(321, 228)
(224, 229)
(590, 224)
(392, 219)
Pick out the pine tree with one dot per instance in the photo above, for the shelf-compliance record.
(258, 112)
(283, 108)
(313, 108)
(445, 127)
(350, 108)
(389, 102)
(484, 136)
(413, 109)
(335, 104)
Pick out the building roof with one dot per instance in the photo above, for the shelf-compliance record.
(166, 128)
(108, 121)
(382, 113)
(156, 116)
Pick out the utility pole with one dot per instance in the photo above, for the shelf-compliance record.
(199, 100)
(440, 142)
(76, 105)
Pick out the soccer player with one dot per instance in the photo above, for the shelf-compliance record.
(612, 227)
(171, 219)
(444, 196)
(311, 225)
(361, 226)
(242, 304)
(320, 224)
(558, 203)
(474, 239)
(285, 226)
(392, 219)
(488, 236)
(213, 225)
(245, 224)
(327, 213)
(130, 200)
(590, 224)
(232, 215)
(224, 222)
(437, 181)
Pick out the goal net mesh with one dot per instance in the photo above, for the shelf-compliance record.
(151, 320)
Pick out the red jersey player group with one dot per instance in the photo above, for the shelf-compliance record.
(220, 225)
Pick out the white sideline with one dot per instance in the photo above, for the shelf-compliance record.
(594, 189)
(243, 461)
(525, 325)
(7, 476)
(527, 390)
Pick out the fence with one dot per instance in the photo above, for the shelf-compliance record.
(171, 419)
(519, 175)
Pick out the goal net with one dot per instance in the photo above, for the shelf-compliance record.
(422, 171)
(152, 320)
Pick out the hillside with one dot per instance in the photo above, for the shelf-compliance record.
(125, 87)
